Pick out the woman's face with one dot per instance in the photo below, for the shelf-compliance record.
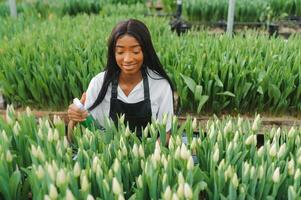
(128, 55)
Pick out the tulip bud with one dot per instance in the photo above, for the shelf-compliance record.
(69, 195)
(135, 150)
(171, 144)
(28, 111)
(256, 123)
(260, 152)
(145, 132)
(60, 178)
(40, 172)
(234, 180)
(177, 153)
(273, 150)
(140, 182)
(121, 119)
(250, 140)
(76, 170)
(239, 122)
(94, 163)
(184, 152)
(34, 151)
(291, 167)
(297, 174)
(16, 129)
(291, 133)
(282, 150)
(178, 141)
(194, 124)
(175, 196)
(120, 197)
(229, 172)
(252, 172)
(127, 131)
(190, 163)
(46, 197)
(52, 192)
(167, 194)
(117, 189)
(297, 141)
(181, 179)
(51, 172)
(276, 176)
(215, 156)
(50, 135)
(116, 165)
(90, 197)
(141, 151)
(180, 191)
(84, 183)
(187, 191)
(228, 127)
(261, 172)
(193, 144)
(9, 157)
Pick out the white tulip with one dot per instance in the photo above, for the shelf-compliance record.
(297, 174)
(190, 163)
(215, 156)
(234, 180)
(256, 122)
(90, 197)
(127, 131)
(184, 152)
(76, 170)
(273, 150)
(40, 172)
(276, 176)
(181, 179)
(135, 150)
(16, 129)
(180, 191)
(120, 197)
(60, 178)
(9, 157)
(291, 167)
(69, 195)
(291, 133)
(177, 153)
(84, 183)
(167, 194)
(140, 182)
(281, 151)
(141, 151)
(194, 124)
(116, 165)
(187, 191)
(52, 192)
(117, 189)
(260, 152)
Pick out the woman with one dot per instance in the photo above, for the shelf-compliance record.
(134, 82)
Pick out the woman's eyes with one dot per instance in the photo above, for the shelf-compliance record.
(121, 52)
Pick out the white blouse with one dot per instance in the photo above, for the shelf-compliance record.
(160, 97)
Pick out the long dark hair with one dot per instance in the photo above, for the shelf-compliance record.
(140, 32)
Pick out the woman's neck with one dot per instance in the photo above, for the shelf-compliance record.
(132, 79)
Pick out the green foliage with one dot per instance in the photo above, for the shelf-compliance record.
(221, 161)
(50, 62)
(248, 11)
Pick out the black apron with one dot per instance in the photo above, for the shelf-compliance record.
(137, 115)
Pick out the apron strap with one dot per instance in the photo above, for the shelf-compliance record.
(114, 88)
(145, 84)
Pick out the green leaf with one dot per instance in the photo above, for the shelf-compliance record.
(227, 93)
(189, 82)
(202, 101)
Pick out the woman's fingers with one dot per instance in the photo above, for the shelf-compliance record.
(83, 98)
(76, 114)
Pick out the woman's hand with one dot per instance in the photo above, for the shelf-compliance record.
(75, 114)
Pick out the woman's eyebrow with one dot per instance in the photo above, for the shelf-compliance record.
(133, 46)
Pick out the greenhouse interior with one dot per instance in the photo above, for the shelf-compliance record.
(150, 99)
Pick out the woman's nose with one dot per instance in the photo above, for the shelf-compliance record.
(127, 57)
